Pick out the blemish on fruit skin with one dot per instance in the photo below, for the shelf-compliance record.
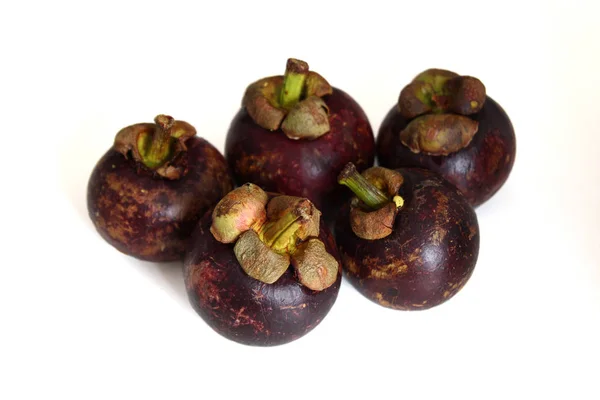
(349, 263)
(379, 298)
(300, 306)
(419, 286)
(243, 319)
(415, 256)
(125, 211)
(472, 231)
(387, 271)
(494, 148)
(244, 309)
(441, 208)
(438, 235)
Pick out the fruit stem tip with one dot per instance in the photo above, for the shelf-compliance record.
(362, 188)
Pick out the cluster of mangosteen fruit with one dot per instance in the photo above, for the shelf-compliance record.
(263, 261)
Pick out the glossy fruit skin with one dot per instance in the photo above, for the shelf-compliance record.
(149, 217)
(244, 309)
(304, 168)
(428, 257)
(479, 170)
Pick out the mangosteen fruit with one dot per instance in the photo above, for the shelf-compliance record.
(446, 123)
(148, 191)
(408, 240)
(237, 268)
(294, 134)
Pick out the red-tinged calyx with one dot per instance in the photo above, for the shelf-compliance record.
(240, 210)
(438, 91)
(291, 102)
(440, 101)
(467, 95)
(374, 209)
(156, 145)
(269, 234)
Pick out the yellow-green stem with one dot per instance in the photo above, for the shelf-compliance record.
(156, 149)
(362, 188)
(294, 80)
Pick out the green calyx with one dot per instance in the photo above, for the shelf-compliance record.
(280, 235)
(291, 102)
(377, 202)
(270, 234)
(436, 78)
(156, 145)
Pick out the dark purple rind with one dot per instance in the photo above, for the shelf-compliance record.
(304, 168)
(479, 170)
(244, 309)
(149, 217)
(430, 254)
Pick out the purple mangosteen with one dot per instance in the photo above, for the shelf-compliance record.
(409, 240)
(294, 134)
(262, 269)
(148, 191)
(446, 123)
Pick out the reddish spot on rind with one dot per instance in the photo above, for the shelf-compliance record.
(430, 254)
(149, 217)
(244, 309)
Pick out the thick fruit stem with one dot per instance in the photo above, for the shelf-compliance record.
(159, 147)
(362, 188)
(156, 146)
(292, 102)
(294, 79)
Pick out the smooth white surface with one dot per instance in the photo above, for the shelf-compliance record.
(81, 321)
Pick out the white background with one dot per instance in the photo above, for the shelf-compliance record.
(79, 320)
